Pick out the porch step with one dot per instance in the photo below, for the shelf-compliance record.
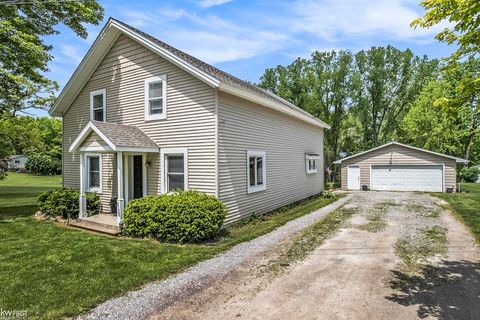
(96, 226)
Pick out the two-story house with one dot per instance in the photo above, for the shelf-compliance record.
(141, 117)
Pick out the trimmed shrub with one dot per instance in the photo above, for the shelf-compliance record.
(183, 216)
(65, 202)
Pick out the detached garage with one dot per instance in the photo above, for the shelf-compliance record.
(399, 167)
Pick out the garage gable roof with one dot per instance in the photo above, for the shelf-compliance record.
(459, 160)
(209, 74)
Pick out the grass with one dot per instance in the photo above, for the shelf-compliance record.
(19, 192)
(466, 206)
(375, 223)
(312, 237)
(54, 272)
(417, 250)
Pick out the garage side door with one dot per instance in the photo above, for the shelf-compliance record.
(407, 178)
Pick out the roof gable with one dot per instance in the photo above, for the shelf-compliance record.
(460, 160)
(214, 77)
(117, 137)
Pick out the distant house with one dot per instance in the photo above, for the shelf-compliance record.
(16, 162)
(141, 117)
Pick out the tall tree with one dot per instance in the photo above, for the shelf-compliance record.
(321, 86)
(24, 55)
(389, 80)
(433, 123)
(463, 31)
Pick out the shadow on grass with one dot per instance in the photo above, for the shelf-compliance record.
(448, 291)
(17, 211)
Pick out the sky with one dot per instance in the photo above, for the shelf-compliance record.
(246, 37)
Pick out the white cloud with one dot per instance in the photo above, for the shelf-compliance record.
(212, 3)
(217, 47)
(330, 19)
(206, 36)
(71, 52)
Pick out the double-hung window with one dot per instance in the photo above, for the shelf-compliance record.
(175, 169)
(256, 171)
(98, 102)
(155, 98)
(94, 171)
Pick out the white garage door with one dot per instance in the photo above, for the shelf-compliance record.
(407, 178)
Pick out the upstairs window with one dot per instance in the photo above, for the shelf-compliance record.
(256, 171)
(155, 98)
(98, 101)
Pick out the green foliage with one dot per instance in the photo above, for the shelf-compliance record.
(65, 202)
(389, 80)
(24, 55)
(332, 185)
(363, 96)
(184, 216)
(443, 119)
(327, 194)
(43, 164)
(463, 29)
(28, 135)
(468, 174)
(3, 169)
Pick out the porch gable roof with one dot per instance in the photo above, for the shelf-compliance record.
(118, 137)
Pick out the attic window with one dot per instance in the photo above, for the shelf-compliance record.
(98, 105)
(155, 98)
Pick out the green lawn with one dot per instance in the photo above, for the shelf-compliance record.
(466, 206)
(53, 272)
(19, 192)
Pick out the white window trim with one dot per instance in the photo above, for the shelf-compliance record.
(173, 151)
(163, 115)
(307, 167)
(257, 153)
(100, 178)
(95, 93)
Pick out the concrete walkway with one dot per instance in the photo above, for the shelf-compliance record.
(154, 297)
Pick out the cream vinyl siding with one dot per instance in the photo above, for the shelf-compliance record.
(398, 155)
(190, 119)
(247, 126)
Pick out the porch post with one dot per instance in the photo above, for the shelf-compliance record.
(120, 196)
(83, 199)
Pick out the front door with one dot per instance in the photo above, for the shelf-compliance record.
(137, 177)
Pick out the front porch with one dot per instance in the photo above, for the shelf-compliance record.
(102, 222)
(129, 147)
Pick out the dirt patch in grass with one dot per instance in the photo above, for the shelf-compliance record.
(419, 249)
(309, 239)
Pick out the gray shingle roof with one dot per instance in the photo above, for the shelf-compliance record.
(123, 135)
(217, 73)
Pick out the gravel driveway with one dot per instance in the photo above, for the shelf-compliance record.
(401, 256)
(142, 303)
